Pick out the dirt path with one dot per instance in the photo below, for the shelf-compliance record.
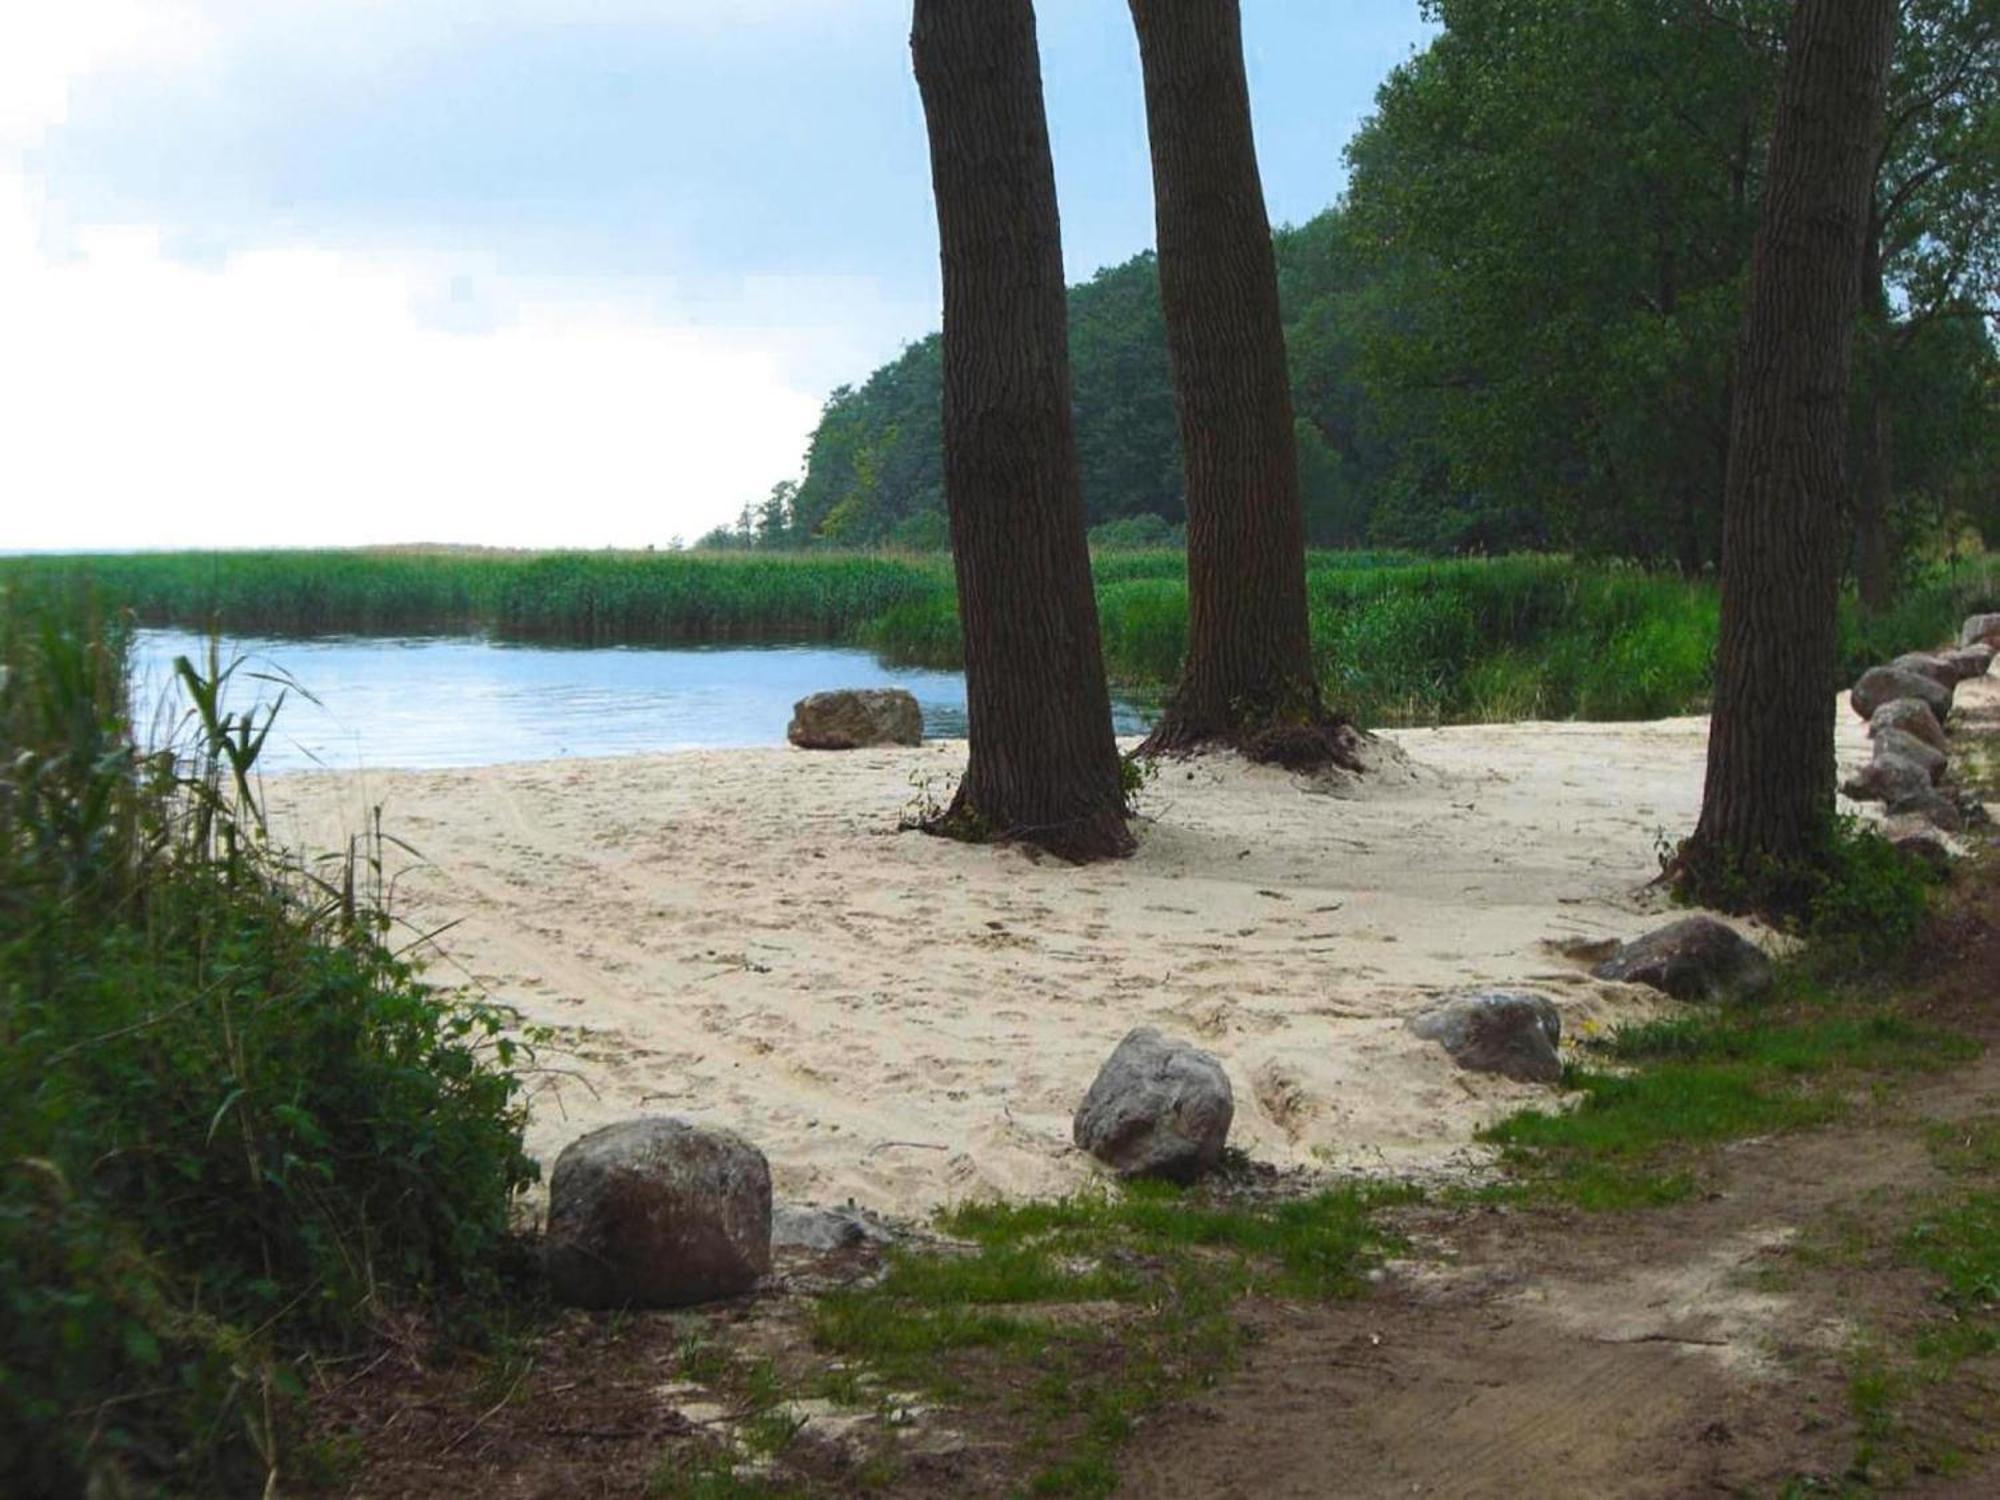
(1703, 1348)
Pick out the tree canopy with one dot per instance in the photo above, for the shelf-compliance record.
(1517, 328)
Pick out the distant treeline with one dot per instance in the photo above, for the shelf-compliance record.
(1517, 329)
(1398, 638)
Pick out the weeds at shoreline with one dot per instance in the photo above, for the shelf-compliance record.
(235, 1128)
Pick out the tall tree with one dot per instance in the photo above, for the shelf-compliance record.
(1043, 767)
(1248, 678)
(1767, 804)
(1932, 253)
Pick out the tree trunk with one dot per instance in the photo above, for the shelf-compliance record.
(1248, 678)
(1043, 766)
(1767, 804)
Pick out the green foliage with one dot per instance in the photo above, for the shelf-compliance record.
(1869, 901)
(232, 1121)
(1855, 896)
(585, 598)
(1516, 331)
(1132, 532)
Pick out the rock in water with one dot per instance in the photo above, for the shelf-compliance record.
(1880, 685)
(1912, 717)
(657, 1213)
(1510, 1032)
(854, 718)
(1696, 958)
(1158, 1108)
(1980, 630)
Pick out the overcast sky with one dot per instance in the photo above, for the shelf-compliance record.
(516, 272)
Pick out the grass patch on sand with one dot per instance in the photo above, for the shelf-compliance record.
(1661, 1092)
(1079, 1315)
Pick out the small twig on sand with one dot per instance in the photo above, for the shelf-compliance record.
(912, 1145)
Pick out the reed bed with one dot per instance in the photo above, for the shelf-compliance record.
(1398, 639)
(1404, 641)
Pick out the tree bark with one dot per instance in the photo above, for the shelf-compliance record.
(1043, 765)
(1248, 678)
(1767, 804)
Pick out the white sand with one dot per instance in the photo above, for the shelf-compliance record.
(744, 938)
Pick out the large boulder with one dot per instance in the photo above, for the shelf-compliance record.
(1880, 685)
(1887, 779)
(1929, 664)
(1696, 958)
(657, 1213)
(1896, 744)
(1514, 1033)
(1980, 629)
(1911, 717)
(1928, 805)
(1968, 661)
(1159, 1108)
(1902, 766)
(854, 718)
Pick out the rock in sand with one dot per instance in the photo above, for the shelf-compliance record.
(1510, 1032)
(1980, 630)
(1912, 717)
(657, 1213)
(1159, 1107)
(1969, 661)
(1929, 664)
(800, 1226)
(1696, 958)
(856, 718)
(1880, 685)
(1931, 806)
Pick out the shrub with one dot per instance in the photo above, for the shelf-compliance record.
(233, 1124)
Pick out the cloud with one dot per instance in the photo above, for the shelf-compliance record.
(295, 399)
(209, 371)
(525, 271)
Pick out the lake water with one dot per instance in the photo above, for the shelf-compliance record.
(389, 703)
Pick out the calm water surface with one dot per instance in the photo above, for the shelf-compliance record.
(388, 703)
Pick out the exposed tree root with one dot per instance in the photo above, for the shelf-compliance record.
(1313, 744)
(1080, 841)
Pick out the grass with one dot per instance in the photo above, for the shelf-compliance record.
(1905, 1383)
(1398, 639)
(1665, 1090)
(1084, 1313)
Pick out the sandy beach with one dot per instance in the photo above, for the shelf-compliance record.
(745, 938)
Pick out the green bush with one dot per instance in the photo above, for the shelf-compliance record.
(234, 1125)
